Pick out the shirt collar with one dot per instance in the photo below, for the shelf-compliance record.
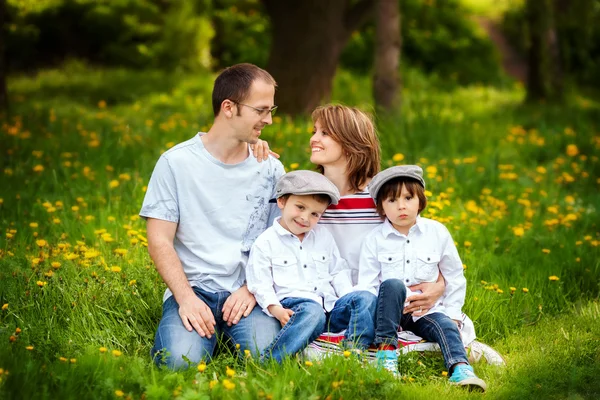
(281, 231)
(388, 228)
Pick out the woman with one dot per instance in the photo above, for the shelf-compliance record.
(345, 148)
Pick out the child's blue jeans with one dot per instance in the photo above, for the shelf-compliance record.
(354, 312)
(435, 327)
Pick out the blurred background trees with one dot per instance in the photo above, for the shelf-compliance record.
(303, 43)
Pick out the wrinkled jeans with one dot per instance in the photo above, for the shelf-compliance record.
(436, 327)
(173, 341)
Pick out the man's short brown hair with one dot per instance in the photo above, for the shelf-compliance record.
(393, 189)
(234, 83)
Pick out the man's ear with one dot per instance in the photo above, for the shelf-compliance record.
(227, 108)
(281, 202)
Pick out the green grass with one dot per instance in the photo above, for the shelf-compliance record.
(516, 185)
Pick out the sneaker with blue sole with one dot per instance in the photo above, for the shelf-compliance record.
(388, 360)
(463, 375)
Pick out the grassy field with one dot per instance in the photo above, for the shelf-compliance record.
(80, 299)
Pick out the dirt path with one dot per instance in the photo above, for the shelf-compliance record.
(512, 63)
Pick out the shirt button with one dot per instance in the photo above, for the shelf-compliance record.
(300, 247)
(407, 280)
(304, 265)
(315, 288)
(408, 261)
(285, 262)
(428, 258)
(390, 259)
(408, 241)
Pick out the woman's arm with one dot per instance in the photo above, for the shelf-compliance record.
(423, 302)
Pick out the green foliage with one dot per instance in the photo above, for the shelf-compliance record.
(242, 33)
(438, 37)
(578, 34)
(516, 186)
(134, 33)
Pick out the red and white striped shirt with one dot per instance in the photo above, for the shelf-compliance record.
(349, 222)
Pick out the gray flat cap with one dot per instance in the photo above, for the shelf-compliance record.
(409, 171)
(306, 182)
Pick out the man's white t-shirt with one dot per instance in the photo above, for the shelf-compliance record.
(220, 210)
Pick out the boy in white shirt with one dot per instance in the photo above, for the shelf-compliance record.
(297, 275)
(406, 250)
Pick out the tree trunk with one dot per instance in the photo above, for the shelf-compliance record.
(539, 76)
(387, 54)
(308, 37)
(3, 72)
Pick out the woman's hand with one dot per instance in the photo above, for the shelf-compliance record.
(261, 150)
(420, 303)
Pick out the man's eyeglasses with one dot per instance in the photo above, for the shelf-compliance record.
(261, 111)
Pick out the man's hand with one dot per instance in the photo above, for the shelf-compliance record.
(282, 314)
(423, 302)
(261, 150)
(195, 314)
(239, 304)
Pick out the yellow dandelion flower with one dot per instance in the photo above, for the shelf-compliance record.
(519, 231)
(73, 360)
(553, 278)
(247, 353)
(33, 225)
(212, 384)
(114, 183)
(294, 165)
(398, 157)
(4, 306)
(102, 104)
(512, 289)
(41, 283)
(38, 168)
(202, 367)
(237, 346)
(29, 348)
(572, 150)
(116, 353)
(63, 359)
(103, 349)
(75, 208)
(467, 244)
(229, 372)
(55, 265)
(132, 282)
(227, 384)
(546, 251)
(444, 373)
(308, 363)
(114, 268)
(41, 242)
(119, 393)
(121, 252)
(347, 353)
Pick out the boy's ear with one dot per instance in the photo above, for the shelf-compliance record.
(227, 108)
(281, 202)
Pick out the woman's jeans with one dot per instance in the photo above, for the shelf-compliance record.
(174, 344)
(436, 327)
(353, 312)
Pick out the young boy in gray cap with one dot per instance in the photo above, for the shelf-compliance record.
(297, 275)
(405, 250)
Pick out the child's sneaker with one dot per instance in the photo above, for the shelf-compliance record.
(463, 375)
(388, 359)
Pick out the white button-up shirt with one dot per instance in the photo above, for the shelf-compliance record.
(280, 266)
(414, 258)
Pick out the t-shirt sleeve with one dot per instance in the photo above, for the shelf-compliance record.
(161, 200)
(274, 211)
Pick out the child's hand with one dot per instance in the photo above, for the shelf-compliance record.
(282, 314)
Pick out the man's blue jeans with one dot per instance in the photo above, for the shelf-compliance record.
(353, 312)
(174, 342)
(436, 327)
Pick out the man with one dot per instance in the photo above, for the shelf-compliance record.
(206, 203)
